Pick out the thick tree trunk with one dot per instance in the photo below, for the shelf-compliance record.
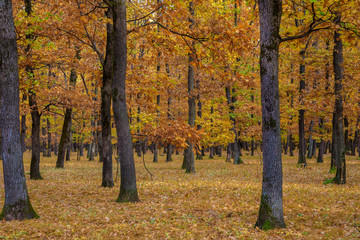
(17, 205)
(106, 95)
(338, 60)
(128, 188)
(271, 205)
(35, 139)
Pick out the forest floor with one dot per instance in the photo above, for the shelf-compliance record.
(220, 201)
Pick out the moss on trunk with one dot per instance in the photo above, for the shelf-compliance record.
(128, 195)
(266, 220)
(18, 211)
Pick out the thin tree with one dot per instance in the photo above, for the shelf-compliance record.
(189, 163)
(339, 139)
(106, 94)
(65, 134)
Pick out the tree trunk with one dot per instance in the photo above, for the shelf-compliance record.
(291, 148)
(67, 156)
(48, 154)
(211, 154)
(169, 152)
(271, 205)
(354, 143)
(189, 163)
(338, 60)
(314, 148)
(56, 145)
(310, 148)
(228, 153)
(252, 147)
(219, 150)
(65, 134)
(156, 153)
(320, 158)
(346, 140)
(302, 142)
(35, 139)
(91, 152)
(17, 204)
(128, 188)
(64, 139)
(23, 129)
(106, 95)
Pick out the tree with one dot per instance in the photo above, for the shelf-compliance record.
(189, 163)
(65, 134)
(339, 141)
(271, 205)
(17, 204)
(128, 188)
(35, 113)
(107, 176)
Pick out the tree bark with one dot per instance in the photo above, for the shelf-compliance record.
(68, 153)
(64, 139)
(106, 95)
(169, 153)
(338, 60)
(310, 148)
(211, 154)
(48, 154)
(128, 188)
(23, 129)
(35, 139)
(189, 163)
(17, 205)
(271, 204)
(156, 153)
(302, 141)
(320, 158)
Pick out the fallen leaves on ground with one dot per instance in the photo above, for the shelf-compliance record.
(220, 201)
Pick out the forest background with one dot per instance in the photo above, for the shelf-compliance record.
(62, 58)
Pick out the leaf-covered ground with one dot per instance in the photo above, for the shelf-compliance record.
(219, 202)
